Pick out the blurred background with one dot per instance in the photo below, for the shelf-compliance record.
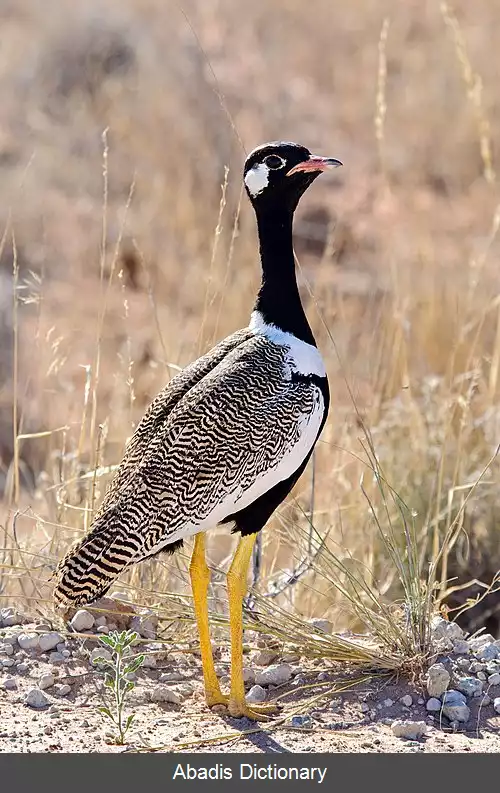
(127, 249)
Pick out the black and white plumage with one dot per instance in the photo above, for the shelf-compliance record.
(228, 437)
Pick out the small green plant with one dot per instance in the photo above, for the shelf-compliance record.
(116, 678)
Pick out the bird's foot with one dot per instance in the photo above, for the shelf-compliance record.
(216, 699)
(241, 709)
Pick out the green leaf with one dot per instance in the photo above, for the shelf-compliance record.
(129, 721)
(107, 640)
(106, 712)
(129, 685)
(134, 664)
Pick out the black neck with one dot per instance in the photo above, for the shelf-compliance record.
(278, 300)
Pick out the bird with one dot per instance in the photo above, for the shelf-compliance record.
(226, 439)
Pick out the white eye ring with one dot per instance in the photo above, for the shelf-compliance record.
(274, 162)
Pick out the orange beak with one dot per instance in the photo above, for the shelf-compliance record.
(315, 163)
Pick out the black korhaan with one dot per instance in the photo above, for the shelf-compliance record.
(226, 439)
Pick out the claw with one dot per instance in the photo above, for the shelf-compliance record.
(240, 710)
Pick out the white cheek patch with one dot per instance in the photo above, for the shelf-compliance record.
(257, 179)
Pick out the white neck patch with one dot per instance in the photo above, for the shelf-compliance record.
(303, 357)
(257, 179)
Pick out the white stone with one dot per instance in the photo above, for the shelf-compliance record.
(46, 681)
(48, 641)
(82, 621)
(10, 617)
(412, 730)
(494, 679)
(407, 701)
(6, 649)
(165, 694)
(100, 652)
(256, 694)
(63, 690)
(388, 703)
(496, 704)
(56, 658)
(433, 705)
(264, 657)
(28, 641)
(488, 652)
(248, 675)
(442, 629)
(438, 679)
(470, 686)
(461, 647)
(9, 684)
(274, 675)
(456, 712)
(145, 624)
(479, 641)
(35, 698)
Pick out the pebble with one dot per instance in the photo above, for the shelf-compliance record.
(325, 626)
(265, 657)
(7, 662)
(388, 703)
(82, 621)
(56, 658)
(6, 649)
(463, 663)
(486, 700)
(488, 652)
(145, 624)
(461, 647)
(172, 677)
(477, 666)
(48, 641)
(66, 653)
(301, 721)
(101, 621)
(456, 712)
(248, 675)
(412, 730)
(63, 690)
(407, 701)
(35, 698)
(274, 675)
(496, 704)
(438, 679)
(433, 705)
(256, 694)
(470, 686)
(494, 680)
(10, 617)
(28, 641)
(46, 681)
(22, 668)
(453, 697)
(103, 629)
(365, 708)
(99, 652)
(9, 684)
(479, 641)
(165, 694)
(481, 676)
(443, 629)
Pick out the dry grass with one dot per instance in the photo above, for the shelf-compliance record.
(116, 131)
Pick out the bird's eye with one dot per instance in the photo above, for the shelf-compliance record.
(274, 162)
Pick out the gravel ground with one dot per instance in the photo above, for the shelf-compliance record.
(50, 689)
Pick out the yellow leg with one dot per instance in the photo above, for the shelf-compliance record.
(237, 586)
(200, 579)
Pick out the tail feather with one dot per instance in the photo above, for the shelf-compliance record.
(89, 568)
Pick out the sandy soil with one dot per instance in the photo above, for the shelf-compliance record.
(354, 720)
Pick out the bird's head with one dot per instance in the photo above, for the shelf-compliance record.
(278, 173)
